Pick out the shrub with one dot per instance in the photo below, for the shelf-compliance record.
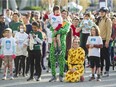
(32, 8)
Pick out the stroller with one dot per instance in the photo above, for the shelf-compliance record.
(114, 58)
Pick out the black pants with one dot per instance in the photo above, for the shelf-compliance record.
(49, 64)
(111, 50)
(35, 61)
(0, 63)
(27, 65)
(83, 40)
(20, 63)
(27, 62)
(66, 66)
(43, 53)
(105, 56)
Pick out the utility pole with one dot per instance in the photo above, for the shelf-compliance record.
(68, 7)
(7, 4)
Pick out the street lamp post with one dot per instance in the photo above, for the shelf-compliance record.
(7, 4)
(67, 5)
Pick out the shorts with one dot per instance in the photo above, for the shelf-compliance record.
(7, 59)
(95, 61)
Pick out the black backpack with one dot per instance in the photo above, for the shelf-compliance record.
(98, 20)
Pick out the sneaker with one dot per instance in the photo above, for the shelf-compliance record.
(38, 79)
(98, 78)
(82, 78)
(30, 79)
(23, 75)
(4, 78)
(48, 70)
(53, 79)
(11, 78)
(48, 52)
(106, 73)
(56, 64)
(35, 74)
(92, 78)
(14, 71)
(61, 78)
(59, 52)
(56, 52)
(16, 76)
(44, 68)
(101, 73)
(27, 75)
(88, 66)
(95, 75)
(20, 73)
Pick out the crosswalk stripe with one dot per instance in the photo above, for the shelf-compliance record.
(46, 76)
(108, 85)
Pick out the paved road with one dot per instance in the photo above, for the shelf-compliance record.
(21, 81)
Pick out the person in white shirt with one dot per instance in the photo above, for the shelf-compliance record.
(56, 23)
(21, 49)
(8, 51)
(48, 43)
(7, 17)
(1, 58)
(94, 43)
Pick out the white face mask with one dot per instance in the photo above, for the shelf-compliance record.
(21, 30)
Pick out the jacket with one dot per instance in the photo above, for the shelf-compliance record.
(105, 26)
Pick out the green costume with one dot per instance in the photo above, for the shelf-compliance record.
(61, 58)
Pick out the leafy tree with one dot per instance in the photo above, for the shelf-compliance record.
(85, 4)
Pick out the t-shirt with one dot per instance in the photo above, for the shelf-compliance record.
(94, 40)
(21, 38)
(8, 46)
(86, 25)
(55, 20)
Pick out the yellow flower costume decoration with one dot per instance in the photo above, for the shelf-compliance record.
(75, 61)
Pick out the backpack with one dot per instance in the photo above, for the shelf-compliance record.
(98, 20)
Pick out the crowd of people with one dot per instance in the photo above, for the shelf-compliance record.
(67, 39)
